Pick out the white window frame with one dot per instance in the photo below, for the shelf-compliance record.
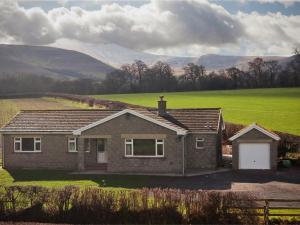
(72, 140)
(157, 142)
(199, 140)
(129, 142)
(35, 141)
(160, 142)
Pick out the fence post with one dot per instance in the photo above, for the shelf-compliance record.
(266, 212)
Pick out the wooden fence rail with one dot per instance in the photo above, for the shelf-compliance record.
(270, 204)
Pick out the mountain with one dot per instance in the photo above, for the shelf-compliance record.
(49, 61)
(94, 61)
(218, 62)
(116, 56)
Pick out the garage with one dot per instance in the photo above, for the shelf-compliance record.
(254, 148)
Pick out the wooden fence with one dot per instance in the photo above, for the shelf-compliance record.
(265, 207)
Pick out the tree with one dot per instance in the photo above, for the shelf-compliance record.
(256, 68)
(194, 73)
(139, 69)
(293, 68)
(234, 74)
(272, 69)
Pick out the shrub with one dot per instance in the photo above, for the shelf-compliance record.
(93, 205)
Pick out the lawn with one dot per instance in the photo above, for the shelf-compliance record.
(60, 178)
(275, 108)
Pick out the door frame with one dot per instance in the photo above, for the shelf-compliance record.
(104, 152)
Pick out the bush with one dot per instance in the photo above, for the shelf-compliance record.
(146, 206)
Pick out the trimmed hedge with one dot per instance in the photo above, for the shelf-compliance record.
(93, 205)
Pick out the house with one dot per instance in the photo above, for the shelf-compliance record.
(254, 147)
(163, 141)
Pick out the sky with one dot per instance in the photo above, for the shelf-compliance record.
(179, 28)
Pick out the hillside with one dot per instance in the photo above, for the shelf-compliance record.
(48, 61)
(274, 108)
(116, 56)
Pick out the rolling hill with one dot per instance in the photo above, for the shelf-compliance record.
(49, 61)
(116, 55)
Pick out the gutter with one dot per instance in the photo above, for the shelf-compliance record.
(2, 146)
(183, 155)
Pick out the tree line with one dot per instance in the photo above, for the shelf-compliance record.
(138, 77)
(160, 77)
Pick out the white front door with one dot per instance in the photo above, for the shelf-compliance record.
(254, 156)
(101, 151)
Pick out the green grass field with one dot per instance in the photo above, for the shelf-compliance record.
(275, 108)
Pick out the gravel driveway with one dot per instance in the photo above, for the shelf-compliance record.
(284, 183)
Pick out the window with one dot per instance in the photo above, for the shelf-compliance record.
(87, 144)
(199, 143)
(72, 142)
(128, 147)
(144, 147)
(27, 144)
(100, 145)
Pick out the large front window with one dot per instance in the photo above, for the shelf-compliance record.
(28, 144)
(144, 147)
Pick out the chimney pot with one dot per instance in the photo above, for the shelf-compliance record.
(162, 106)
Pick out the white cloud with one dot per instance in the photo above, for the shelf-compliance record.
(191, 27)
(153, 25)
(270, 34)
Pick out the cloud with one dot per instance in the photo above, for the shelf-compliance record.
(153, 25)
(191, 27)
(270, 34)
(286, 3)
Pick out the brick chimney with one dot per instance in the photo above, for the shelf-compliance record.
(162, 106)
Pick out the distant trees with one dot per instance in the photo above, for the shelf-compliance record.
(159, 77)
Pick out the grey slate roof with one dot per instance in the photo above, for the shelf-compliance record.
(192, 120)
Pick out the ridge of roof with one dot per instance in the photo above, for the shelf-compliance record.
(95, 110)
(195, 109)
(69, 110)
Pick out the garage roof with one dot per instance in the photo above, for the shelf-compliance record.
(259, 128)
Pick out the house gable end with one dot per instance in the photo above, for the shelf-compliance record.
(254, 127)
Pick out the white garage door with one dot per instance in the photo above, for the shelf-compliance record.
(254, 156)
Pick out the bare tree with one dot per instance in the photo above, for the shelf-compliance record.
(234, 74)
(256, 68)
(139, 68)
(272, 69)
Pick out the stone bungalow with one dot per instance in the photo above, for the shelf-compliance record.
(139, 140)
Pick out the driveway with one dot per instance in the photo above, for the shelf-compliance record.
(284, 183)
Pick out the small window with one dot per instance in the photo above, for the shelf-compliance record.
(18, 143)
(160, 147)
(128, 147)
(199, 143)
(72, 142)
(37, 144)
(27, 144)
